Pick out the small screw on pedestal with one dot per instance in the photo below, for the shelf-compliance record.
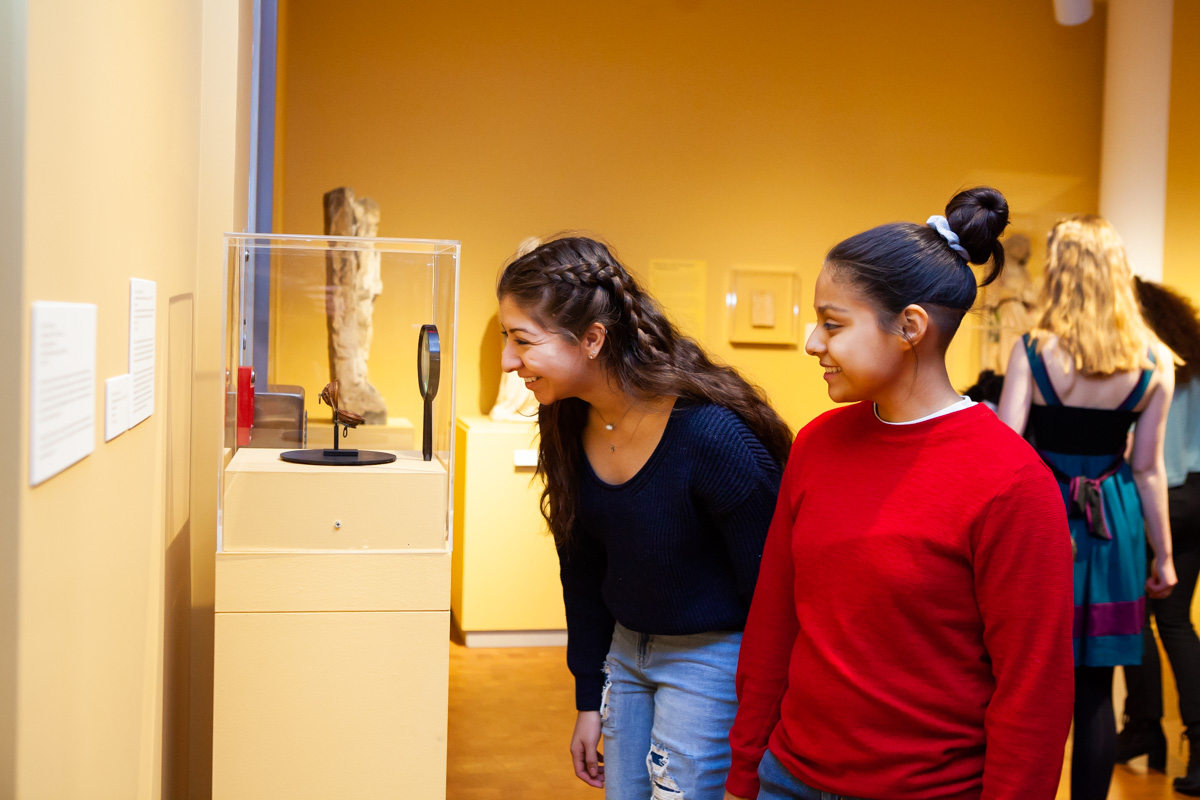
(337, 523)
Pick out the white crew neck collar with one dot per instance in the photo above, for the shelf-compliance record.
(961, 405)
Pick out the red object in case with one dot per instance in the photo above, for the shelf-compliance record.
(245, 405)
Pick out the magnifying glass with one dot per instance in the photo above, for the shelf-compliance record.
(429, 370)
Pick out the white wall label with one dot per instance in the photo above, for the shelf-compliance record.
(142, 296)
(525, 458)
(118, 394)
(62, 408)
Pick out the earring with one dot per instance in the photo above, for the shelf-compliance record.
(591, 355)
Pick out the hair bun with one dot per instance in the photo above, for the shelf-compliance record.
(979, 216)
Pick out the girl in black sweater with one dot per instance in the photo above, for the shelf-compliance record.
(661, 471)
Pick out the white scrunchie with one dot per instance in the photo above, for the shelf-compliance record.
(942, 226)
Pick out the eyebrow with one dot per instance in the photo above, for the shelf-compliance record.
(514, 330)
(831, 307)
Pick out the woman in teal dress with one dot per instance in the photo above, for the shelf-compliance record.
(1085, 449)
(1075, 386)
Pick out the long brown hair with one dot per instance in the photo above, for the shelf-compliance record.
(1176, 321)
(568, 283)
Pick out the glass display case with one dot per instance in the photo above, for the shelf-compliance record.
(332, 576)
(379, 317)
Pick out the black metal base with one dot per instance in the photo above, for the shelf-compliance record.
(338, 458)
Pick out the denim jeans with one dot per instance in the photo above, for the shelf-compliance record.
(779, 784)
(667, 707)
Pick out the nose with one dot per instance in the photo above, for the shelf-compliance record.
(509, 360)
(815, 346)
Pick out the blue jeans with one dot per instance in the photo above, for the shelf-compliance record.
(779, 784)
(668, 704)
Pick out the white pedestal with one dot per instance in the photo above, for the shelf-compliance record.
(505, 585)
(331, 660)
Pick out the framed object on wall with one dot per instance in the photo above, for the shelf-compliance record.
(764, 307)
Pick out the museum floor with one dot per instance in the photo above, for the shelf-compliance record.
(511, 713)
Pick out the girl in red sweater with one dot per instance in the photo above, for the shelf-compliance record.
(910, 634)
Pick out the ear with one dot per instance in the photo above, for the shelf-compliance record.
(593, 339)
(914, 324)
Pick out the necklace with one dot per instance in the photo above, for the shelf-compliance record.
(608, 426)
(611, 426)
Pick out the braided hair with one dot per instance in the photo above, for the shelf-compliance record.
(568, 283)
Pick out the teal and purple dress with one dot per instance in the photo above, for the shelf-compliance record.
(1085, 448)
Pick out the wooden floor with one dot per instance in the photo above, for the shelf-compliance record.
(512, 711)
(1133, 782)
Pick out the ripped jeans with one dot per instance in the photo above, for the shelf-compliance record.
(668, 704)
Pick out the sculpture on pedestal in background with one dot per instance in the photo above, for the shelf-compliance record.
(1008, 304)
(353, 281)
(514, 401)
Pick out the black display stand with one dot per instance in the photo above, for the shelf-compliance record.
(338, 457)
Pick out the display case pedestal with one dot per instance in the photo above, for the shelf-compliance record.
(331, 665)
(505, 586)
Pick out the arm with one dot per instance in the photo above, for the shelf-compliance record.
(590, 626)
(585, 755)
(733, 483)
(767, 644)
(744, 531)
(1017, 395)
(1023, 585)
(1150, 474)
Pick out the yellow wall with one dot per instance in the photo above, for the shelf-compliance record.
(1181, 264)
(131, 167)
(755, 133)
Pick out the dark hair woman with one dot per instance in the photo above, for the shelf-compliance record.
(910, 634)
(661, 470)
(1174, 319)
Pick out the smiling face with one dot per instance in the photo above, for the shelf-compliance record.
(552, 366)
(861, 361)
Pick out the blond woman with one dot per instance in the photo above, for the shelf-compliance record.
(1076, 385)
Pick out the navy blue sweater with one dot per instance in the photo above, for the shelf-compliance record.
(674, 550)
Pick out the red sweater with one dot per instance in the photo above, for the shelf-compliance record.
(910, 634)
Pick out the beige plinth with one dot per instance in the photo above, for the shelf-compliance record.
(326, 705)
(274, 505)
(505, 586)
(331, 663)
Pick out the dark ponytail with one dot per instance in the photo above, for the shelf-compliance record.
(567, 284)
(1175, 320)
(902, 263)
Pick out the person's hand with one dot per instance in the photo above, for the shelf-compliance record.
(589, 764)
(730, 796)
(1162, 578)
